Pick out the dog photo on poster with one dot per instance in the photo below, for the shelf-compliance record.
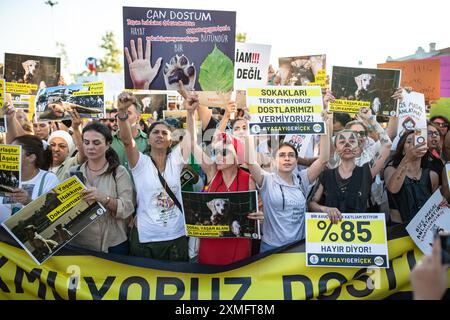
(163, 46)
(355, 88)
(35, 70)
(221, 214)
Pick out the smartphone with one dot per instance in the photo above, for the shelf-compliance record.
(445, 248)
(420, 136)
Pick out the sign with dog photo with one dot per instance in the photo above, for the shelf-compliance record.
(221, 214)
(303, 71)
(10, 171)
(285, 110)
(163, 46)
(251, 65)
(21, 98)
(432, 218)
(355, 88)
(49, 222)
(34, 71)
(55, 103)
(358, 241)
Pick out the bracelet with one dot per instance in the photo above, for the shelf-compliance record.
(108, 199)
(122, 118)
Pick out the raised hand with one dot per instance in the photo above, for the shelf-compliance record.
(141, 71)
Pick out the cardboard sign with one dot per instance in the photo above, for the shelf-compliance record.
(2, 93)
(422, 75)
(433, 217)
(10, 171)
(194, 46)
(359, 240)
(35, 71)
(285, 110)
(251, 65)
(54, 104)
(355, 88)
(303, 71)
(46, 224)
(300, 142)
(221, 214)
(411, 112)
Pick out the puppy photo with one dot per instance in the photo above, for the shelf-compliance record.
(32, 71)
(366, 90)
(42, 246)
(219, 209)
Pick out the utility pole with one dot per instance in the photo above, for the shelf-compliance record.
(52, 4)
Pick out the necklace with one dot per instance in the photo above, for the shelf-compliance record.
(90, 169)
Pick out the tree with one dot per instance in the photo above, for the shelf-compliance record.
(110, 62)
(241, 36)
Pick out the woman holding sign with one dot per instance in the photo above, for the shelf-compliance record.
(109, 184)
(284, 191)
(346, 189)
(410, 182)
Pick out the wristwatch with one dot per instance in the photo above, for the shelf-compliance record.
(122, 118)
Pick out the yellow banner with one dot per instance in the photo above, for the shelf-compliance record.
(281, 276)
(255, 92)
(2, 93)
(21, 88)
(94, 88)
(349, 106)
(10, 158)
(276, 109)
(320, 79)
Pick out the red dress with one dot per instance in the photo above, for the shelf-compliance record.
(226, 250)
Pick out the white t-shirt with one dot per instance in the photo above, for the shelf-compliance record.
(32, 186)
(158, 218)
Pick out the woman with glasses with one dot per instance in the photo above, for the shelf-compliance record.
(435, 161)
(224, 175)
(346, 189)
(410, 183)
(284, 191)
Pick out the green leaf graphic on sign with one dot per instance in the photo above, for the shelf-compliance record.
(216, 72)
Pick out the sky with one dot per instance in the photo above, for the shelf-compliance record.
(347, 31)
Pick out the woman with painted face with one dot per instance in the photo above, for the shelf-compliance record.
(284, 191)
(410, 183)
(159, 231)
(108, 183)
(346, 189)
(224, 175)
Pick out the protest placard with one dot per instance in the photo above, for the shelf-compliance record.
(359, 240)
(285, 110)
(445, 75)
(221, 214)
(251, 65)
(194, 46)
(2, 104)
(34, 71)
(113, 86)
(216, 99)
(10, 170)
(54, 104)
(411, 112)
(433, 217)
(46, 224)
(303, 70)
(421, 75)
(355, 88)
(300, 142)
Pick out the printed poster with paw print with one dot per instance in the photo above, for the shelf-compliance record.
(163, 46)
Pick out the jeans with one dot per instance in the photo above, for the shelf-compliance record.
(266, 247)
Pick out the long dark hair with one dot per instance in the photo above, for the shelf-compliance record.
(110, 155)
(34, 145)
(398, 156)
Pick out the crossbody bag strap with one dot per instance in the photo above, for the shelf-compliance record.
(41, 184)
(167, 188)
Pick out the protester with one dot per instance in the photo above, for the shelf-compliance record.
(346, 189)
(41, 130)
(442, 122)
(409, 181)
(109, 184)
(340, 120)
(159, 231)
(435, 162)
(139, 136)
(223, 175)
(284, 191)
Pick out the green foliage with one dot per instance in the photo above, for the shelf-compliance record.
(440, 107)
(216, 72)
(110, 61)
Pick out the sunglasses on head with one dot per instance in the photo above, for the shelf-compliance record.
(361, 133)
(441, 124)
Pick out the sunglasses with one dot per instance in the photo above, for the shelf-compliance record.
(224, 152)
(441, 124)
(361, 133)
